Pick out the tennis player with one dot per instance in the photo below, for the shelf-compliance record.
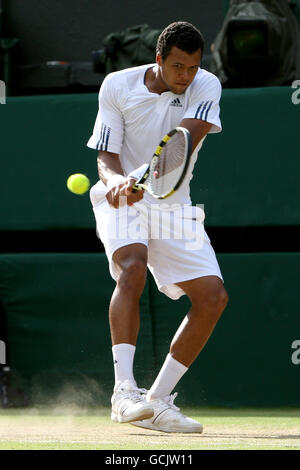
(137, 107)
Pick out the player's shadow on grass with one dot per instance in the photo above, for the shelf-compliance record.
(165, 434)
(218, 436)
(252, 436)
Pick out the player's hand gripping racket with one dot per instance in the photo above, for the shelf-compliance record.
(168, 165)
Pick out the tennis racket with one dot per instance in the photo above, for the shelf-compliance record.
(168, 166)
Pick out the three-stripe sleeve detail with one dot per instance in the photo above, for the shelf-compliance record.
(203, 110)
(104, 138)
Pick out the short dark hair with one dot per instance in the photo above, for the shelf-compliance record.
(182, 35)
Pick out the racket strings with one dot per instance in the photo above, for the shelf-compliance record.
(166, 171)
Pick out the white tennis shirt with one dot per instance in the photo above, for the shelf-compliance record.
(131, 120)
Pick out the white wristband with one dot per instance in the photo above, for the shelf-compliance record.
(113, 181)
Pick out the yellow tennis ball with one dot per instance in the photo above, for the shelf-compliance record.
(78, 183)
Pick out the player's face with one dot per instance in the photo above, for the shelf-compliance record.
(178, 70)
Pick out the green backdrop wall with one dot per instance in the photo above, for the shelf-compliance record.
(246, 175)
(57, 309)
(56, 304)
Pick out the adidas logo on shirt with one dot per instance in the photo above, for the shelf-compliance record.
(176, 103)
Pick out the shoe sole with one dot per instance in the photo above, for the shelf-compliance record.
(198, 430)
(144, 414)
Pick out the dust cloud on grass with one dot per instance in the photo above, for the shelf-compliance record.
(71, 398)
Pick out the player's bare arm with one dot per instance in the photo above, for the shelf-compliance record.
(197, 128)
(109, 165)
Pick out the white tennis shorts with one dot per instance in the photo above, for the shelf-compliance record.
(178, 247)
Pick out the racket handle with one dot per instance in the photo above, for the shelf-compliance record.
(136, 188)
(139, 174)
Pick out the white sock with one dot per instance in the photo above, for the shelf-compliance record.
(168, 377)
(123, 355)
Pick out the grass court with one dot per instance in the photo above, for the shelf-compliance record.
(73, 428)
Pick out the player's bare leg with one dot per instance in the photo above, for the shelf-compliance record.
(208, 298)
(124, 314)
(128, 402)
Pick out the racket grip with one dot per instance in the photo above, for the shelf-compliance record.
(139, 174)
(136, 188)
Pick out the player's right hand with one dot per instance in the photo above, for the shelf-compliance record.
(123, 194)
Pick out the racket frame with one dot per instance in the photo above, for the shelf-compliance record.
(156, 155)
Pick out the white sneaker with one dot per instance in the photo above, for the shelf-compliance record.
(167, 417)
(129, 404)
